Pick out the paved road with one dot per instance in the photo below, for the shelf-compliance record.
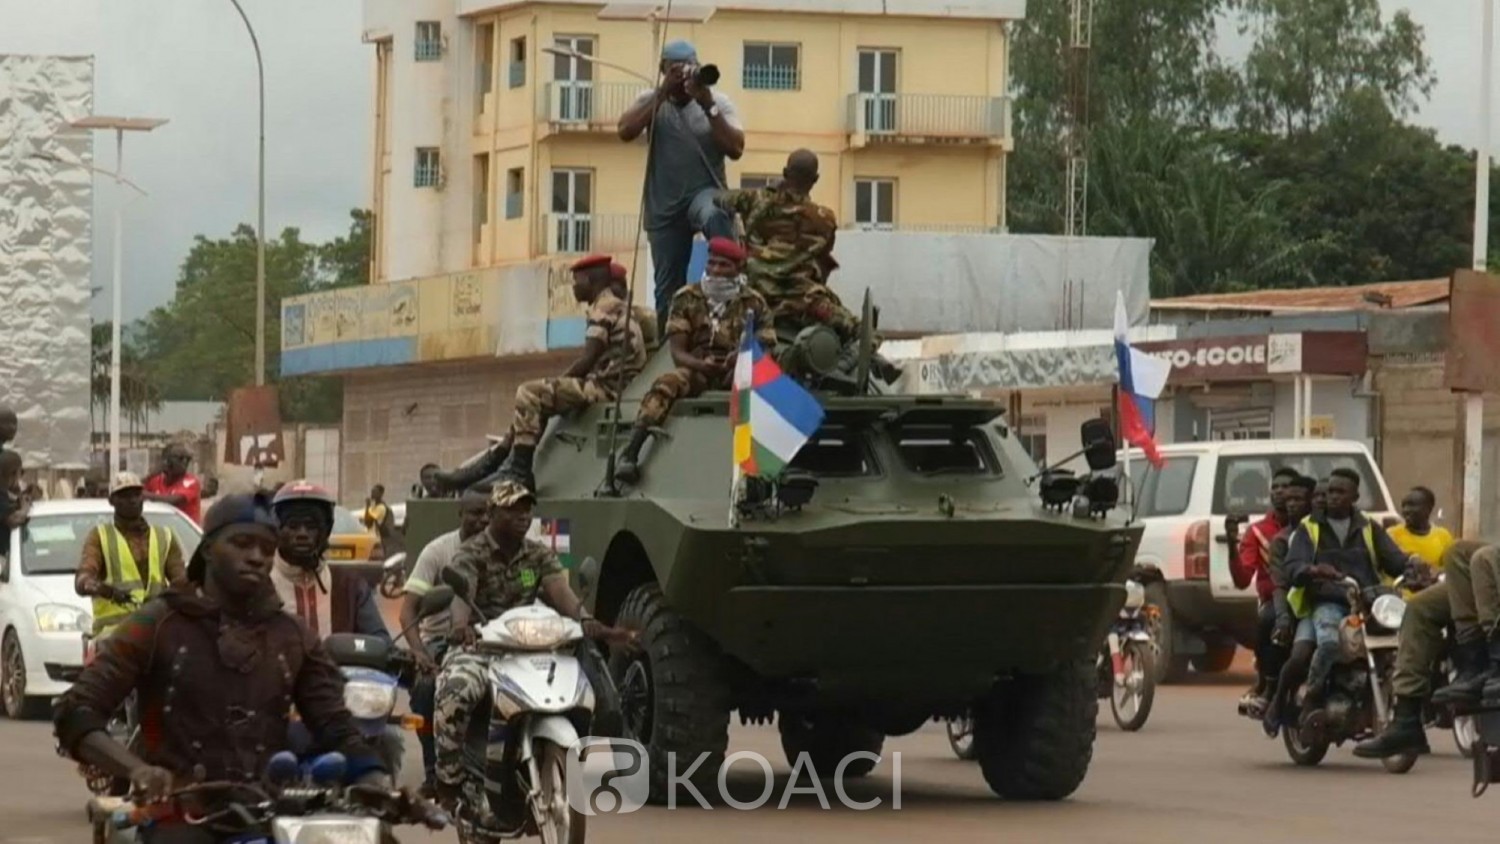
(1195, 773)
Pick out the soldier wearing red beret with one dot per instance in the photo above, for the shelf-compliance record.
(704, 328)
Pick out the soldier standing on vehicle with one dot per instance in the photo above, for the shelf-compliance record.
(790, 240)
(428, 638)
(503, 569)
(696, 128)
(705, 328)
(613, 353)
(110, 569)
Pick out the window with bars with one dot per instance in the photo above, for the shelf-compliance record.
(756, 181)
(771, 67)
(515, 191)
(429, 41)
(572, 201)
(517, 62)
(429, 168)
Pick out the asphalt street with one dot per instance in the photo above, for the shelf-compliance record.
(1197, 772)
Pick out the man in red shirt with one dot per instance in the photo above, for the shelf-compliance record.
(174, 485)
(1252, 562)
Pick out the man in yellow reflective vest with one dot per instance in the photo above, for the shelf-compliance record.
(127, 561)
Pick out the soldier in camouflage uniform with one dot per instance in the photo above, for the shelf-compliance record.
(503, 570)
(790, 240)
(705, 327)
(613, 353)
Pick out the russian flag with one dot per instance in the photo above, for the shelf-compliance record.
(1142, 379)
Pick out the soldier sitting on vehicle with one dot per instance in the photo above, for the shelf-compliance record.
(705, 327)
(643, 315)
(613, 353)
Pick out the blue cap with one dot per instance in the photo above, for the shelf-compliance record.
(679, 51)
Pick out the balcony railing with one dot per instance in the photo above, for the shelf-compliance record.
(583, 233)
(588, 104)
(926, 228)
(936, 116)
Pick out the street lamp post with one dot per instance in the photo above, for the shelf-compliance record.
(120, 125)
(260, 216)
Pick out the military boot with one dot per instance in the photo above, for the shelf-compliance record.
(518, 466)
(1477, 662)
(469, 474)
(628, 466)
(1404, 734)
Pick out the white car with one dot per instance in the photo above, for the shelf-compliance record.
(44, 620)
(1184, 506)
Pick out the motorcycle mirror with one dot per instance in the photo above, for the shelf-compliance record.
(1098, 444)
(456, 580)
(283, 768)
(439, 598)
(329, 769)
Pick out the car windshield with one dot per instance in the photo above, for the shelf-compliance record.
(53, 544)
(344, 522)
(1243, 486)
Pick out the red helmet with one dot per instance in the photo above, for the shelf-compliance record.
(303, 492)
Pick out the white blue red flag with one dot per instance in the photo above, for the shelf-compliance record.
(1142, 379)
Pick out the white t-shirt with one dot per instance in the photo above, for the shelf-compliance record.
(424, 575)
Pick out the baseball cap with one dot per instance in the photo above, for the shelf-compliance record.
(679, 51)
(124, 481)
(509, 493)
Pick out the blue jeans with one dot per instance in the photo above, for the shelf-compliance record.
(1323, 628)
(672, 247)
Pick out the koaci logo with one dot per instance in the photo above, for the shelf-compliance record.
(610, 776)
(607, 776)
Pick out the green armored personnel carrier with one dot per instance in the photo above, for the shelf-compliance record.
(912, 565)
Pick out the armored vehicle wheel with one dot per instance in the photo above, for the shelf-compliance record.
(828, 741)
(673, 694)
(1034, 735)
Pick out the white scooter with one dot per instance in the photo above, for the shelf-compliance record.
(540, 699)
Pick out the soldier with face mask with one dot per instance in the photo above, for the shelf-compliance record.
(704, 329)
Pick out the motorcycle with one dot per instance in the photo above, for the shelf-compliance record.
(122, 727)
(1126, 664)
(302, 803)
(541, 698)
(1358, 699)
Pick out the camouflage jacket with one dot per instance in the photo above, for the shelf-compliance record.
(500, 582)
(787, 233)
(718, 334)
(610, 321)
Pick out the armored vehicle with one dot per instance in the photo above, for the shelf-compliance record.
(912, 564)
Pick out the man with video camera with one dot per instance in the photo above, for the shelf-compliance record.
(695, 129)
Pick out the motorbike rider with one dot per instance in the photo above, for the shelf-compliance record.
(1339, 543)
(1422, 642)
(110, 566)
(1296, 502)
(1251, 562)
(217, 666)
(428, 638)
(304, 512)
(503, 569)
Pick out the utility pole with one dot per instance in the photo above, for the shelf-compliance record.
(1473, 438)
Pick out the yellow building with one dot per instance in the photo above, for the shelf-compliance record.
(497, 162)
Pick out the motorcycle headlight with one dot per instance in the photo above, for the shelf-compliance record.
(537, 632)
(326, 830)
(1388, 610)
(365, 699)
(61, 618)
(1135, 595)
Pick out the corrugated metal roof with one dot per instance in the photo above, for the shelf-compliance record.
(1403, 294)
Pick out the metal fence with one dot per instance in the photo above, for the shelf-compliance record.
(582, 233)
(571, 102)
(950, 115)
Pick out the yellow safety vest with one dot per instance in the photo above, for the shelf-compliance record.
(1297, 595)
(123, 573)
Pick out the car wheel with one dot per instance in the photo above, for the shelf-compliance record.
(13, 682)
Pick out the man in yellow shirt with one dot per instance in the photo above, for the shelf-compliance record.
(1418, 535)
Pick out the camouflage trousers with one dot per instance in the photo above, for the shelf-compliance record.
(541, 399)
(680, 383)
(809, 303)
(463, 691)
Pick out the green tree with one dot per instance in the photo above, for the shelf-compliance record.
(201, 345)
(140, 392)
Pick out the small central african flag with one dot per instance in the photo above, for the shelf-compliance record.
(773, 416)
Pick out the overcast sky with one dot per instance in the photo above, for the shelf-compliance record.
(190, 61)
